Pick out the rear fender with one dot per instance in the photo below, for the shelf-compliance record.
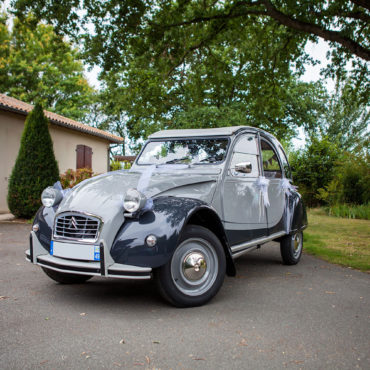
(298, 209)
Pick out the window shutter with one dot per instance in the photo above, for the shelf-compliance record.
(88, 157)
(80, 156)
(83, 156)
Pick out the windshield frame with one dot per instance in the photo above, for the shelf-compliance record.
(186, 138)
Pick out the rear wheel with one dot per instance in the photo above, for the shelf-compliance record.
(196, 270)
(64, 278)
(291, 248)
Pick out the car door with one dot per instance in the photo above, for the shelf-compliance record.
(273, 172)
(244, 215)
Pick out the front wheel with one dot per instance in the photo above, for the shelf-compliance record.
(196, 270)
(64, 278)
(291, 248)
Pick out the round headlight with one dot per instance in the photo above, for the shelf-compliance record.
(134, 200)
(51, 196)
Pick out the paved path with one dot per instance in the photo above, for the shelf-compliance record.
(310, 316)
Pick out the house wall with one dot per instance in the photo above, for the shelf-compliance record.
(64, 143)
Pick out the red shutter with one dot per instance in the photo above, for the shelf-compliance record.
(83, 156)
(88, 157)
(80, 156)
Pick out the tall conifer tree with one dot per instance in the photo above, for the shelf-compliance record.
(35, 167)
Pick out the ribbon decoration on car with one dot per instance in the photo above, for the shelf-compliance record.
(145, 177)
(262, 184)
(59, 187)
(287, 188)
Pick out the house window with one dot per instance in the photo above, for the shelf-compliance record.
(83, 156)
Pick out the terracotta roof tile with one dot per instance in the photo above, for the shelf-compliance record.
(24, 108)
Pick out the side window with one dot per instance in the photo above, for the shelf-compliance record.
(271, 166)
(245, 150)
(285, 163)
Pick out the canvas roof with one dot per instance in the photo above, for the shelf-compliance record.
(219, 131)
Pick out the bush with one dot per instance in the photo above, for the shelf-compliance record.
(70, 178)
(118, 165)
(350, 183)
(313, 169)
(127, 165)
(35, 167)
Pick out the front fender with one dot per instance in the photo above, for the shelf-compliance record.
(166, 221)
(45, 219)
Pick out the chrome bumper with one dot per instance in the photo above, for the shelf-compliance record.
(106, 267)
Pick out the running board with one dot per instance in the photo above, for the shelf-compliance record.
(239, 249)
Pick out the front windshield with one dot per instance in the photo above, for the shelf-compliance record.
(184, 151)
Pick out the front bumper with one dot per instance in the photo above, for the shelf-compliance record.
(106, 267)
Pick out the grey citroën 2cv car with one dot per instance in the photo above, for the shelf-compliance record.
(193, 201)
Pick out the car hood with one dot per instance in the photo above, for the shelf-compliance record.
(103, 195)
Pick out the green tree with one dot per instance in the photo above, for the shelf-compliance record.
(35, 167)
(346, 118)
(36, 65)
(175, 29)
(314, 168)
(225, 85)
(163, 60)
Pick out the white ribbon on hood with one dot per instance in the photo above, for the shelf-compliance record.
(145, 177)
(59, 187)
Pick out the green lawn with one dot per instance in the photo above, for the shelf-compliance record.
(338, 240)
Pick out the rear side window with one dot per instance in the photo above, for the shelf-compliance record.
(271, 165)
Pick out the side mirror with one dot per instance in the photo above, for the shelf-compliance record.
(243, 167)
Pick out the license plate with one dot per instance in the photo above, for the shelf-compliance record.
(74, 251)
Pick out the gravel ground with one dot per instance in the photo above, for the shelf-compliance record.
(270, 316)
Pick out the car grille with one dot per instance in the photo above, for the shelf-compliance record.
(77, 227)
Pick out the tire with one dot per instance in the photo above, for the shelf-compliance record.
(291, 248)
(196, 270)
(64, 278)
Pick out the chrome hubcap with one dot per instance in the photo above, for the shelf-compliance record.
(194, 266)
(297, 244)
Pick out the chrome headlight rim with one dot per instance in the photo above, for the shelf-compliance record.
(134, 201)
(51, 197)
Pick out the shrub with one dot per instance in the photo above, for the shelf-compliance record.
(351, 181)
(115, 165)
(314, 168)
(35, 167)
(127, 165)
(118, 165)
(70, 178)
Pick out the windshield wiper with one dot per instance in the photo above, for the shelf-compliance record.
(177, 160)
(207, 160)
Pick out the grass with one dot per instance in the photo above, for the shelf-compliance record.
(338, 240)
(350, 211)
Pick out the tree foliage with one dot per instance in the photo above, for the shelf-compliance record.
(162, 61)
(329, 175)
(37, 65)
(35, 167)
(313, 168)
(346, 118)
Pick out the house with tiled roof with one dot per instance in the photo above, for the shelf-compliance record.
(76, 145)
